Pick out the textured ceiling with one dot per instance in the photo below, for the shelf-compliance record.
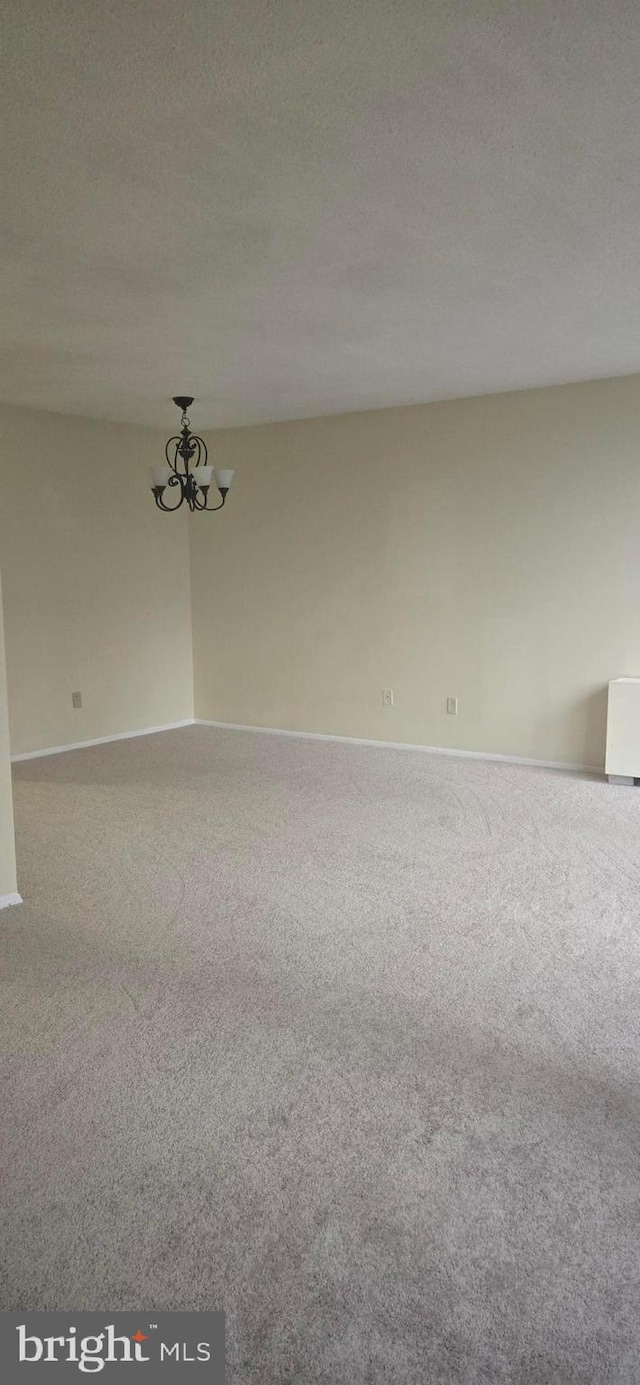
(289, 208)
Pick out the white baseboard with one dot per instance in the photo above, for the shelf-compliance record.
(403, 745)
(7, 899)
(101, 740)
(309, 736)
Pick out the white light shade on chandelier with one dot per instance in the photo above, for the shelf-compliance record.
(186, 474)
(160, 475)
(224, 479)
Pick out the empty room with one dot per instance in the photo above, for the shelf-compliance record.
(320, 691)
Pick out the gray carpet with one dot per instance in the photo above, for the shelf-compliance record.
(343, 1040)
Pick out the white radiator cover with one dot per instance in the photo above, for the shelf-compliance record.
(623, 729)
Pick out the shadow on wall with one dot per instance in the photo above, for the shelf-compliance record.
(595, 728)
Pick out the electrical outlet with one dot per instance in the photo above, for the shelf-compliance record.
(452, 706)
(76, 700)
(387, 697)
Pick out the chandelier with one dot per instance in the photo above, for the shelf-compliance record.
(186, 475)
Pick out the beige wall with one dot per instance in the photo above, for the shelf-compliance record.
(8, 884)
(486, 549)
(96, 582)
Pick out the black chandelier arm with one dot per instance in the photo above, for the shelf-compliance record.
(174, 481)
(188, 494)
(168, 509)
(173, 461)
(197, 451)
(205, 506)
(191, 448)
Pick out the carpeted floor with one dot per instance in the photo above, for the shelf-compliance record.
(343, 1040)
